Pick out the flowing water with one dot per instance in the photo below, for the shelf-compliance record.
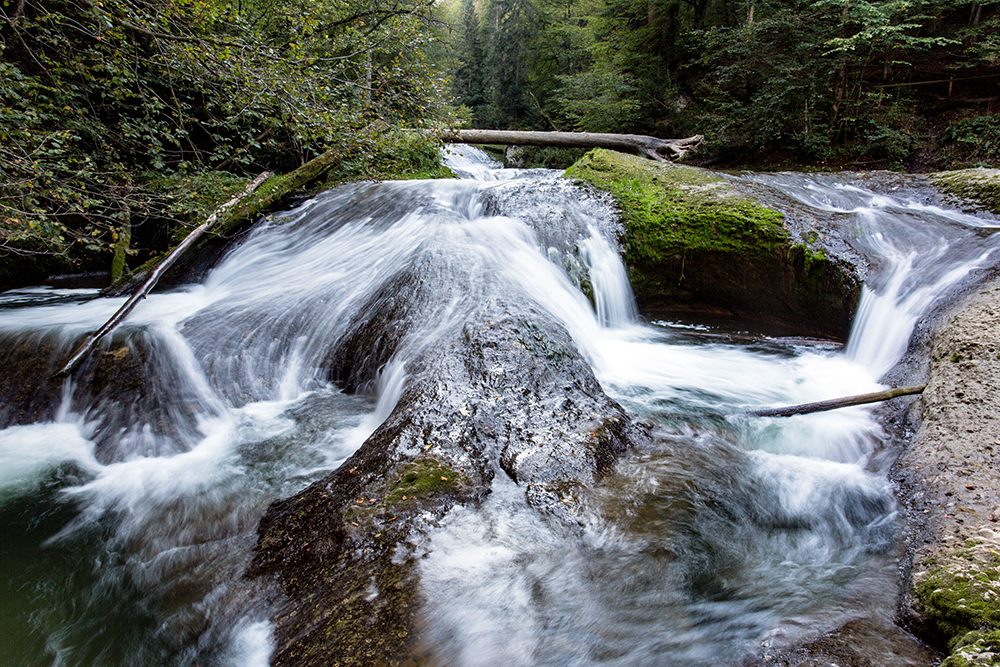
(128, 524)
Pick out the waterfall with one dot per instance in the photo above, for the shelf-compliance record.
(130, 508)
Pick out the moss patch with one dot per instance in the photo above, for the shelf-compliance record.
(979, 188)
(960, 593)
(693, 241)
(669, 208)
(421, 479)
(974, 649)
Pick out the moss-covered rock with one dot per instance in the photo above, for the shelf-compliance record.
(693, 241)
(970, 188)
(949, 478)
(958, 590)
(974, 649)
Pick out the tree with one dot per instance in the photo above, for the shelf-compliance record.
(101, 101)
(506, 29)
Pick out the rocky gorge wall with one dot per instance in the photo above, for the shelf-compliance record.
(950, 473)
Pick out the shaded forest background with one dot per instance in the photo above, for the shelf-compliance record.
(123, 124)
(905, 84)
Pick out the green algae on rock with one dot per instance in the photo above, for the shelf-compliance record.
(960, 590)
(977, 187)
(693, 241)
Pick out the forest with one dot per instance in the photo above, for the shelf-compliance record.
(904, 85)
(124, 124)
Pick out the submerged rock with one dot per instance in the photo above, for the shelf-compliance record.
(693, 241)
(861, 642)
(502, 392)
(117, 391)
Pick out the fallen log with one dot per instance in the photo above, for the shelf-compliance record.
(650, 147)
(164, 264)
(833, 404)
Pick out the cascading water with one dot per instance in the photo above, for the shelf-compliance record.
(128, 526)
(925, 250)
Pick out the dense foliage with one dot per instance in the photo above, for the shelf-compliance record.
(859, 82)
(120, 120)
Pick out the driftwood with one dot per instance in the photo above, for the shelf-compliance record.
(835, 403)
(161, 267)
(650, 147)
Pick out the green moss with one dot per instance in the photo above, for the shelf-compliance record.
(692, 241)
(421, 478)
(120, 250)
(978, 187)
(810, 257)
(962, 594)
(689, 236)
(414, 482)
(669, 208)
(975, 649)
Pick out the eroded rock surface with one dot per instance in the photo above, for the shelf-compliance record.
(970, 188)
(951, 471)
(503, 393)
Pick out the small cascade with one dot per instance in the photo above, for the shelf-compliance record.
(921, 252)
(130, 508)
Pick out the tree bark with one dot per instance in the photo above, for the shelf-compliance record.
(650, 147)
(835, 403)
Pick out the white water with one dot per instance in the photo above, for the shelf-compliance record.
(923, 250)
(130, 537)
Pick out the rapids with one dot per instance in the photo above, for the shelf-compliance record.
(129, 521)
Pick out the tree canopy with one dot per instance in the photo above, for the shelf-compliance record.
(122, 122)
(114, 114)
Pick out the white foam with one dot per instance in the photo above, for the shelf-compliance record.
(31, 453)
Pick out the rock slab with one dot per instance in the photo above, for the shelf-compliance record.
(951, 471)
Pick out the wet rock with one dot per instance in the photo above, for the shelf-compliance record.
(858, 643)
(119, 382)
(950, 482)
(372, 341)
(504, 392)
(693, 241)
(974, 189)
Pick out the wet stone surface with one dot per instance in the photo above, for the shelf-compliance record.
(950, 481)
(504, 393)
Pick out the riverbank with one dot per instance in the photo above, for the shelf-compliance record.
(949, 473)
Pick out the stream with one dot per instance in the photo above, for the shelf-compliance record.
(129, 512)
